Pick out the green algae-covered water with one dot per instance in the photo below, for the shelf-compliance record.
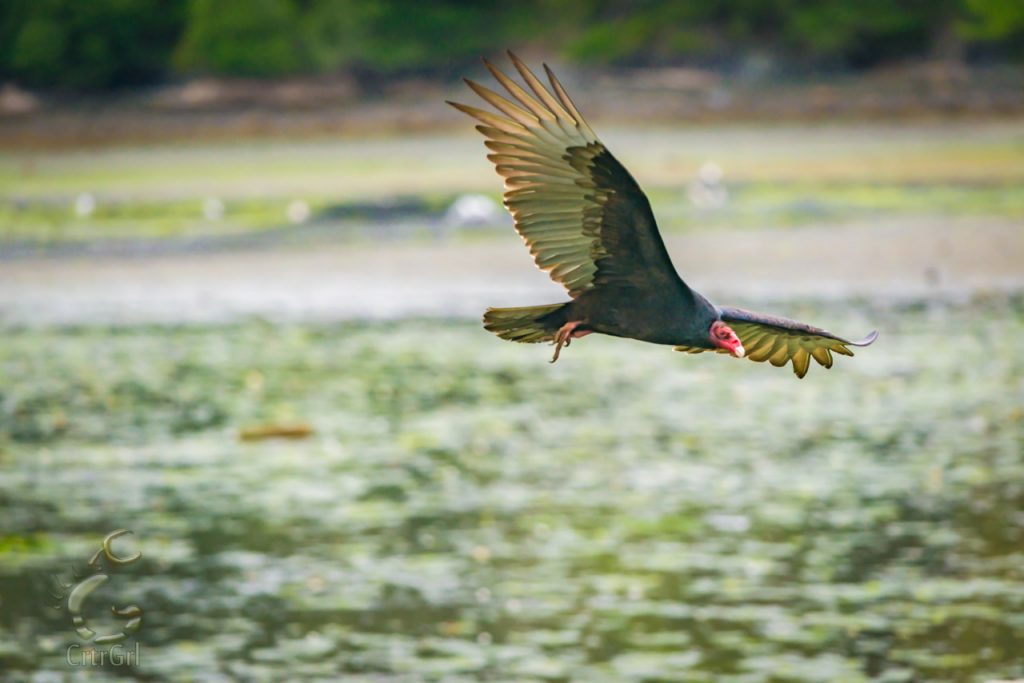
(463, 511)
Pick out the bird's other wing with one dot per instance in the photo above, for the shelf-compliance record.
(780, 340)
(581, 214)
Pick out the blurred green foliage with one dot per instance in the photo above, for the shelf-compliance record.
(106, 43)
(87, 44)
(240, 38)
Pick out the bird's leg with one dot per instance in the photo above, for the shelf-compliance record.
(565, 335)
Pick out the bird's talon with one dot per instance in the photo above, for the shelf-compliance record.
(564, 337)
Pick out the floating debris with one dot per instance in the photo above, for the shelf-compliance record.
(213, 209)
(473, 209)
(297, 430)
(297, 212)
(706, 191)
(85, 205)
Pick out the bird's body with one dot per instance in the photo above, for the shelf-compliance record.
(587, 222)
(620, 312)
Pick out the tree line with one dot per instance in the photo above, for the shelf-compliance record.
(101, 44)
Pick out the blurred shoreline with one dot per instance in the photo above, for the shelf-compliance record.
(884, 261)
(311, 107)
(896, 184)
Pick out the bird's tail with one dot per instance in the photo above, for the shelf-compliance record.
(529, 324)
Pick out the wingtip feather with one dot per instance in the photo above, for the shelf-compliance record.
(868, 340)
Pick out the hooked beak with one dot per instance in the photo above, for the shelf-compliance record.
(739, 351)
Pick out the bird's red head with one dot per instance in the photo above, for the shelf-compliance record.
(723, 337)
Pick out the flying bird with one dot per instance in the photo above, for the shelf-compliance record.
(588, 224)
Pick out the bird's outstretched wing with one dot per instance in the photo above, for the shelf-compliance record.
(583, 217)
(780, 340)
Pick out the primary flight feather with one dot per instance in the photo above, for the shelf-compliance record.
(588, 224)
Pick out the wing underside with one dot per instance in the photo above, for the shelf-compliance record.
(580, 213)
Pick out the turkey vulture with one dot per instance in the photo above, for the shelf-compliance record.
(589, 225)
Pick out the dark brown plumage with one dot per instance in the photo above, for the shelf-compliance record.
(588, 224)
